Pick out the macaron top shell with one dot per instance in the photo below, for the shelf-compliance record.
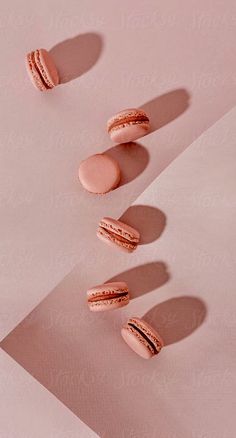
(99, 173)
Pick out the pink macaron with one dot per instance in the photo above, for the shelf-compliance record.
(141, 338)
(108, 296)
(128, 125)
(99, 173)
(118, 234)
(42, 70)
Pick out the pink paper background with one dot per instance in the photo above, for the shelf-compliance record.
(182, 280)
(178, 63)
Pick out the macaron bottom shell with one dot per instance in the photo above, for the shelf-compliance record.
(129, 132)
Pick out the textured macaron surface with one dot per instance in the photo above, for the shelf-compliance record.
(141, 337)
(119, 233)
(108, 296)
(99, 173)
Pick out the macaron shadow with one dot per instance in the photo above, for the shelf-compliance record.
(75, 56)
(177, 318)
(167, 107)
(132, 158)
(144, 278)
(149, 221)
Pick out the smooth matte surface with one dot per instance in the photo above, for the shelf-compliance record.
(99, 173)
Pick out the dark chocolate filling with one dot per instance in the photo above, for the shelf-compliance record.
(144, 336)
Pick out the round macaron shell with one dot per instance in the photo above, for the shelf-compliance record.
(135, 344)
(49, 67)
(99, 173)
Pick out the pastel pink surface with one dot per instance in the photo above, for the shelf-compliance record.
(40, 152)
(197, 249)
(99, 173)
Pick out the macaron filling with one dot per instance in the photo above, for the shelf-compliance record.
(145, 337)
(107, 296)
(41, 70)
(118, 233)
(117, 124)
